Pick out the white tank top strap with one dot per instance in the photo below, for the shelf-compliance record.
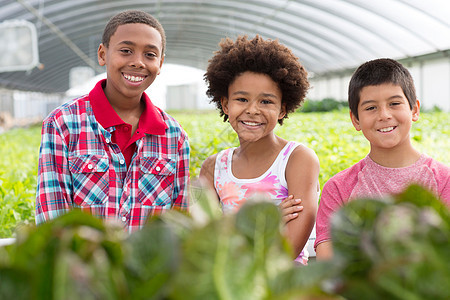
(282, 160)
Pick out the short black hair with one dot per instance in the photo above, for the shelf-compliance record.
(132, 17)
(258, 56)
(377, 72)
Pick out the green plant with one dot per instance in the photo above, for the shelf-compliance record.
(394, 248)
(19, 151)
(203, 255)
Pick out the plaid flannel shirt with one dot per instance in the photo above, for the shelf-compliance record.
(79, 167)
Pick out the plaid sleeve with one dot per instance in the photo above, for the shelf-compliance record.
(54, 181)
(180, 195)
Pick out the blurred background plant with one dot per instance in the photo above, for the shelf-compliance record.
(326, 104)
(330, 134)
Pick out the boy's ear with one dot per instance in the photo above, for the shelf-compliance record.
(161, 63)
(224, 102)
(355, 121)
(101, 55)
(282, 112)
(416, 111)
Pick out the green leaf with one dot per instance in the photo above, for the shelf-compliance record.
(152, 259)
(14, 283)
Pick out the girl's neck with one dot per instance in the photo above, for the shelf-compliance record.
(251, 160)
(395, 158)
(268, 144)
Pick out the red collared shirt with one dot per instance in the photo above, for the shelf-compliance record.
(81, 166)
(150, 122)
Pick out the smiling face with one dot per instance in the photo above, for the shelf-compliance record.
(385, 117)
(133, 60)
(253, 106)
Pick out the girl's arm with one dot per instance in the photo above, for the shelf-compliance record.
(302, 176)
(207, 173)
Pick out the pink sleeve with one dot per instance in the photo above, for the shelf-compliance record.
(443, 180)
(331, 200)
(445, 196)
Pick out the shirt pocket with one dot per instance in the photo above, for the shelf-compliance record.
(90, 179)
(156, 182)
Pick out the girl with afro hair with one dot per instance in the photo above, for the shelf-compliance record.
(255, 84)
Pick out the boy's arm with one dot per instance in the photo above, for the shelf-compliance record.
(324, 250)
(180, 199)
(443, 179)
(330, 201)
(53, 196)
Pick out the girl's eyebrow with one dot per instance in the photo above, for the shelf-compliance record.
(261, 94)
(268, 95)
(240, 92)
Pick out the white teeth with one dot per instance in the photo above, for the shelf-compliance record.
(387, 129)
(251, 123)
(133, 78)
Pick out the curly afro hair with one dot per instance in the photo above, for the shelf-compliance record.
(259, 56)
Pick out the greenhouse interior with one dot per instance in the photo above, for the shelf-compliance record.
(50, 56)
(51, 46)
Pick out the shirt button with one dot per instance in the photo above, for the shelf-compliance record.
(124, 188)
(107, 141)
(126, 129)
(90, 167)
(124, 219)
(158, 168)
(121, 161)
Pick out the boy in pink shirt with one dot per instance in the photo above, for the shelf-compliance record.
(383, 105)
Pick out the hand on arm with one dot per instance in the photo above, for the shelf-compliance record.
(290, 208)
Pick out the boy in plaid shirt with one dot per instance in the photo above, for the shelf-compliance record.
(113, 153)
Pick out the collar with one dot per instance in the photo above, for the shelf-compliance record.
(150, 122)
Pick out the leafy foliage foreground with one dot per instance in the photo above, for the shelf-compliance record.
(394, 248)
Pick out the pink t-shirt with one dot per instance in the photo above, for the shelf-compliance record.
(368, 179)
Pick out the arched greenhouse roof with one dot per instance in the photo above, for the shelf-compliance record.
(327, 35)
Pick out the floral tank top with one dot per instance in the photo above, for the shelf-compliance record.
(233, 192)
